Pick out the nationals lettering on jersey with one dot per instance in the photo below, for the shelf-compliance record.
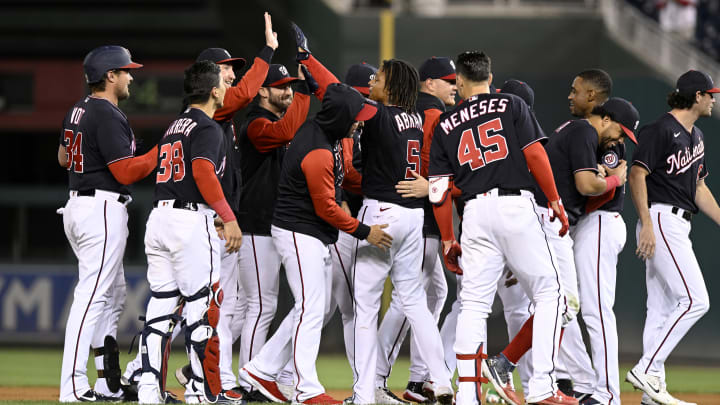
(193, 135)
(572, 148)
(480, 142)
(96, 134)
(390, 146)
(675, 160)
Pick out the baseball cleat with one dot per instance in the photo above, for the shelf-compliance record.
(492, 397)
(183, 375)
(498, 370)
(414, 393)
(589, 400)
(429, 390)
(229, 397)
(322, 399)
(287, 390)
(171, 398)
(651, 385)
(256, 396)
(444, 395)
(566, 386)
(386, 397)
(266, 387)
(557, 399)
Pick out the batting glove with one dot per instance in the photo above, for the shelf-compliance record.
(301, 42)
(450, 256)
(558, 211)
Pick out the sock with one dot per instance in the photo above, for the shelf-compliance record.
(521, 343)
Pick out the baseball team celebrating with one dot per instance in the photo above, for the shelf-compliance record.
(362, 191)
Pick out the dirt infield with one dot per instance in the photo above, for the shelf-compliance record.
(51, 394)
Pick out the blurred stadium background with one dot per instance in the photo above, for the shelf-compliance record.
(545, 43)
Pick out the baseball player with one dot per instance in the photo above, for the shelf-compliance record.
(183, 265)
(572, 150)
(437, 91)
(97, 147)
(498, 219)
(599, 237)
(237, 97)
(270, 125)
(305, 224)
(667, 181)
(391, 143)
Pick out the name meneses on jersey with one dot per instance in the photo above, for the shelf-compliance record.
(683, 159)
(473, 110)
(181, 126)
(406, 121)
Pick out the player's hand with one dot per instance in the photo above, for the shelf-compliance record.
(510, 279)
(451, 252)
(417, 188)
(557, 211)
(602, 170)
(620, 171)
(219, 228)
(378, 237)
(646, 242)
(233, 237)
(345, 207)
(270, 36)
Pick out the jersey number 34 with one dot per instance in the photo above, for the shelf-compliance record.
(494, 143)
(172, 162)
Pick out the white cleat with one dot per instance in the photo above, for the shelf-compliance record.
(652, 386)
(384, 396)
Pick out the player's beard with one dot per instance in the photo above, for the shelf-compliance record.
(281, 102)
(123, 93)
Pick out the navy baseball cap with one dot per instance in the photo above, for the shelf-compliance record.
(358, 77)
(219, 56)
(625, 114)
(695, 80)
(278, 75)
(437, 68)
(368, 111)
(106, 58)
(520, 89)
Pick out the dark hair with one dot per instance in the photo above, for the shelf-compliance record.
(601, 111)
(401, 83)
(473, 65)
(98, 86)
(681, 101)
(600, 79)
(200, 78)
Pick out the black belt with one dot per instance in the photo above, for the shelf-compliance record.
(183, 205)
(122, 198)
(686, 215)
(502, 192)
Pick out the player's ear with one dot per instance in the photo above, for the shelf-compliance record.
(263, 92)
(490, 78)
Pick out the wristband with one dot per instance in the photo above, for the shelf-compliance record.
(611, 182)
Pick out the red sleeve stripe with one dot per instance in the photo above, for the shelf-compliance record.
(119, 159)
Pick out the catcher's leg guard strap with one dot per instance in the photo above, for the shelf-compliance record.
(111, 364)
(165, 337)
(204, 343)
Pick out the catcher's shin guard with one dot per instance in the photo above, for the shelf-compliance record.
(204, 341)
(174, 319)
(469, 368)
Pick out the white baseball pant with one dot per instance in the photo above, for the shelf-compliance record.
(96, 228)
(402, 262)
(675, 270)
(394, 326)
(232, 313)
(599, 238)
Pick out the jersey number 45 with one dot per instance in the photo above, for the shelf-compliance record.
(495, 146)
(172, 162)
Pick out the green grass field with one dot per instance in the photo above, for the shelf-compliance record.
(25, 367)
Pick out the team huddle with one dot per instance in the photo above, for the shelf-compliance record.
(362, 191)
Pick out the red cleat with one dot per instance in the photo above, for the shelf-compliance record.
(322, 399)
(558, 399)
(266, 387)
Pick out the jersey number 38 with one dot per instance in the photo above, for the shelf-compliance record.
(494, 143)
(172, 162)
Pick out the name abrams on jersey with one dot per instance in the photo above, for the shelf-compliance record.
(406, 121)
(191, 136)
(96, 134)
